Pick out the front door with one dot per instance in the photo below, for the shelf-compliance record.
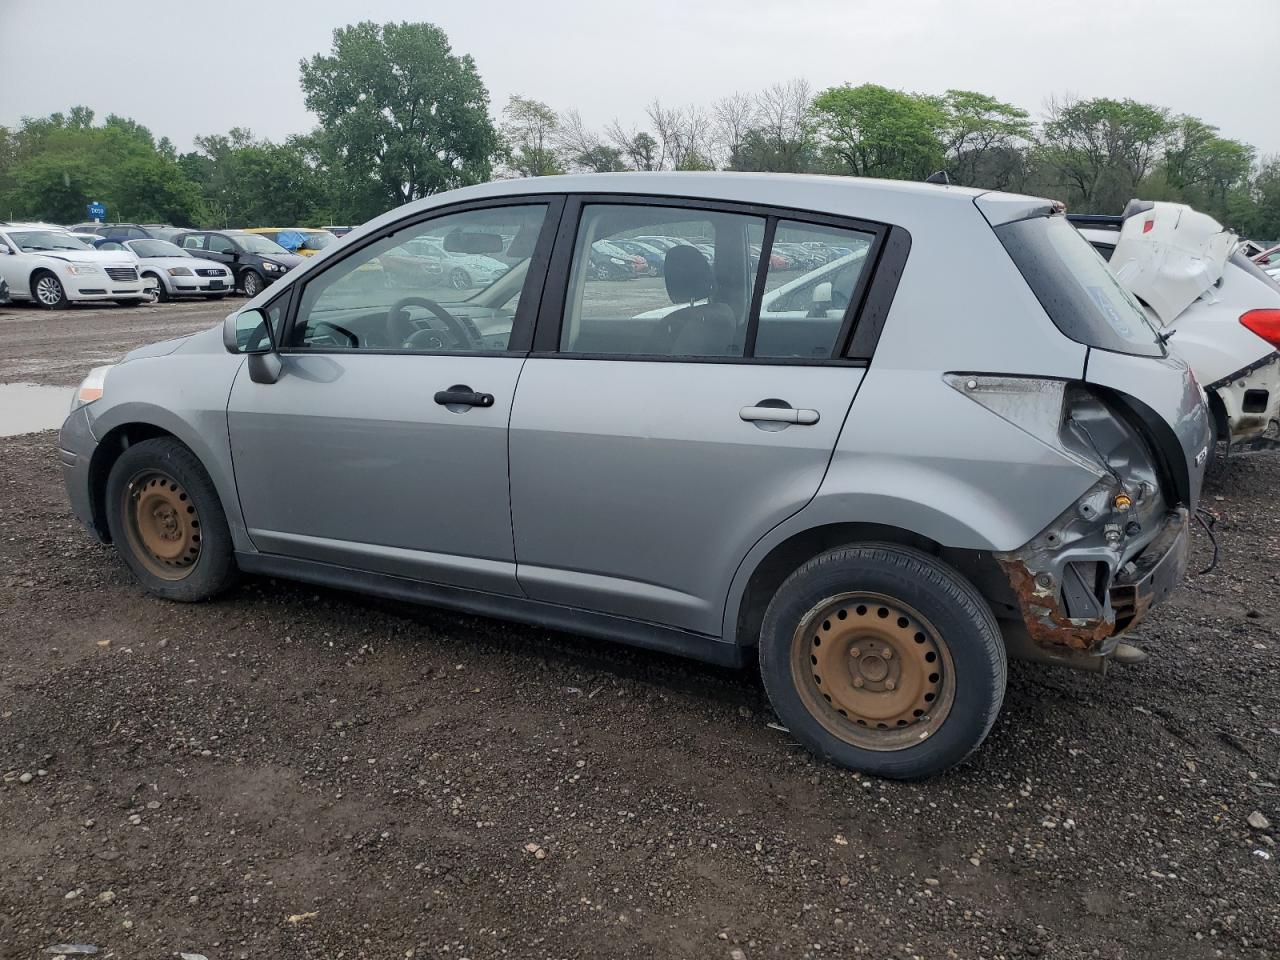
(383, 444)
(664, 429)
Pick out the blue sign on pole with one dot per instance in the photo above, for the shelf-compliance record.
(97, 211)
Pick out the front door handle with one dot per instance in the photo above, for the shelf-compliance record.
(801, 417)
(460, 395)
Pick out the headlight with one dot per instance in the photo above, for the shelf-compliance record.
(91, 387)
(621, 263)
(80, 269)
(270, 267)
(178, 272)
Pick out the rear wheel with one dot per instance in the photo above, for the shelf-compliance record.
(48, 291)
(881, 658)
(167, 522)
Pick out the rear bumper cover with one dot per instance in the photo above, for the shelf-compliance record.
(1141, 583)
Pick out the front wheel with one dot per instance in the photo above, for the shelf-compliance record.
(162, 292)
(459, 279)
(48, 291)
(167, 522)
(881, 658)
(251, 283)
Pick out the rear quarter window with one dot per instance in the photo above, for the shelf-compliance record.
(1076, 289)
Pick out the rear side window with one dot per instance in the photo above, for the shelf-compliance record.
(1076, 289)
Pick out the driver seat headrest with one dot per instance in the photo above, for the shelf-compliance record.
(688, 274)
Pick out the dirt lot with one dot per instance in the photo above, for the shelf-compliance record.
(293, 773)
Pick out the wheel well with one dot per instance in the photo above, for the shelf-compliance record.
(105, 455)
(977, 565)
(1218, 411)
(36, 274)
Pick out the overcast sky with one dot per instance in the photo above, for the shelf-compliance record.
(184, 68)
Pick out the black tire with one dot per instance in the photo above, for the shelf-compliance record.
(47, 291)
(162, 292)
(459, 279)
(165, 460)
(251, 283)
(960, 627)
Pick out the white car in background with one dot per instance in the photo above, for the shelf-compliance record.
(176, 272)
(46, 264)
(1219, 311)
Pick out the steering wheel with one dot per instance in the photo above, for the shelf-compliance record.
(402, 330)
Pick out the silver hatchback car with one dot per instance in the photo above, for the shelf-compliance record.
(948, 439)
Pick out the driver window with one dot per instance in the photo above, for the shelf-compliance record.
(447, 285)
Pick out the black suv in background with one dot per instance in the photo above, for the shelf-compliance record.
(254, 260)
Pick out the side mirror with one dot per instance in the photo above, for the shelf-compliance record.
(4, 249)
(247, 332)
(822, 293)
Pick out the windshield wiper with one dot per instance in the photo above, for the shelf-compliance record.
(1165, 336)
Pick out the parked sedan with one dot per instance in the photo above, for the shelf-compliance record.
(176, 272)
(49, 266)
(255, 261)
(715, 480)
(462, 271)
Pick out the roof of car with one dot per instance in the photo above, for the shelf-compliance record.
(887, 201)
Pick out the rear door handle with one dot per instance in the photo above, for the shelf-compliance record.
(460, 395)
(802, 417)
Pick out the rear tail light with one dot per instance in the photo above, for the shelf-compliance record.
(1265, 323)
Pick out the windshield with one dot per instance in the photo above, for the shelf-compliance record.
(33, 241)
(1076, 289)
(318, 239)
(157, 248)
(256, 243)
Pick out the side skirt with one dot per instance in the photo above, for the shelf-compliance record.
(552, 616)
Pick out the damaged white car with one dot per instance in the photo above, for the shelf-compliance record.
(1218, 309)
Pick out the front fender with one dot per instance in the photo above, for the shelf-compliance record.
(185, 395)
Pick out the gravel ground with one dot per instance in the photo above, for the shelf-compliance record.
(289, 772)
(57, 347)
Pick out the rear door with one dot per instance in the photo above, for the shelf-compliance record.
(660, 427)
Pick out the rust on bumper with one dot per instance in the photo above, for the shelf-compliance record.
(1046, 621)
(1141, 583)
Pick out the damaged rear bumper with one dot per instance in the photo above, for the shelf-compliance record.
(1051, 596)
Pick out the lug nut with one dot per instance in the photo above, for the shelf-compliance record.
(889, 685)
(857, 681)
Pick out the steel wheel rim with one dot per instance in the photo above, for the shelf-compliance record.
(873, 671)
(49, 291)
(161, 524)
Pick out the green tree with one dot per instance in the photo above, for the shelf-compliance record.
(531, 128)
(1100, 150)
(254, 183)
(872, 131)
(401, 116)
(51, 167)
(1201, 167)
(982, 138)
